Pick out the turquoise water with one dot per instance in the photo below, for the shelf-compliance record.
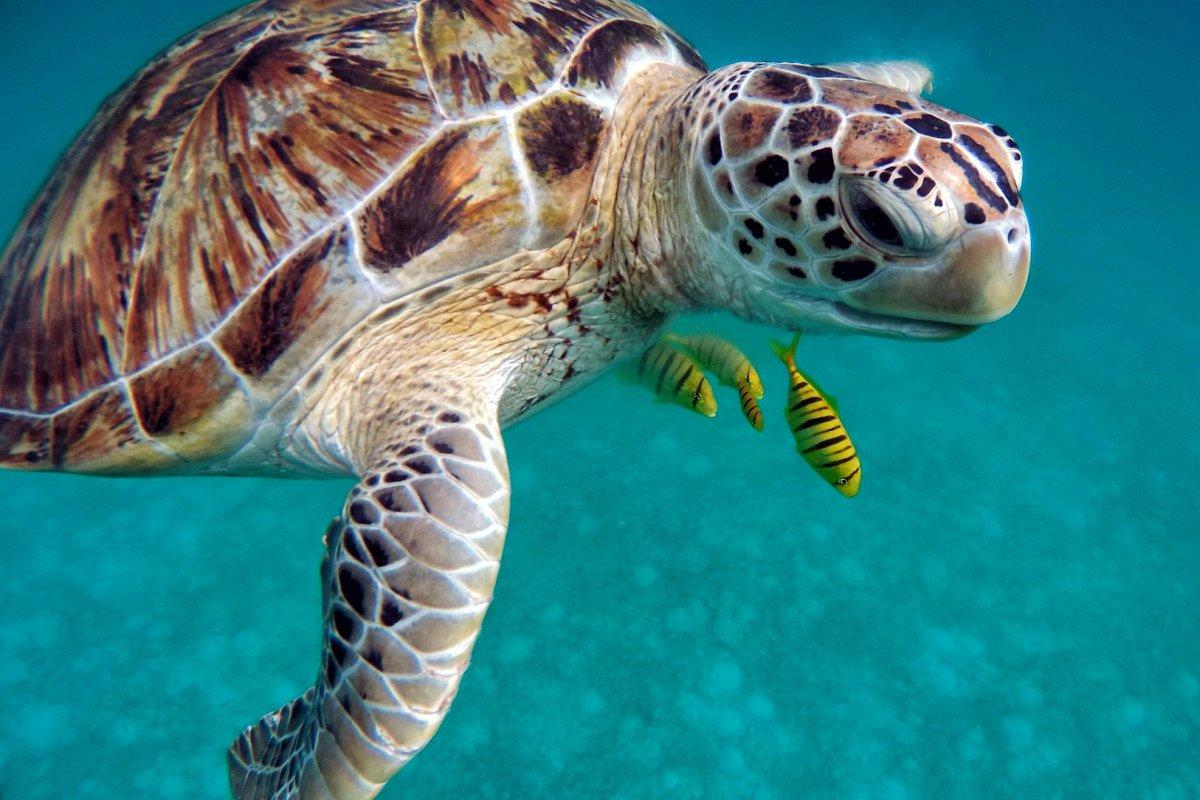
(1011, 608)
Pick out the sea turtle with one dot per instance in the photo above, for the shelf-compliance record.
(363, 236)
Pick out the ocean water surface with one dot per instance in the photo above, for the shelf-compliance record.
(1011, 607)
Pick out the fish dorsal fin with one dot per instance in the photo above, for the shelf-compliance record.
(907, 76)
(833, 403)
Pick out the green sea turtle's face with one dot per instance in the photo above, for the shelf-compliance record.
(847, 204)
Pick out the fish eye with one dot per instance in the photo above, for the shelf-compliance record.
(874, 221)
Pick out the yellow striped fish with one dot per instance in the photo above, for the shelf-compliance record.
(731, 367)
(821, 439)
(676, 378)
(750, 409)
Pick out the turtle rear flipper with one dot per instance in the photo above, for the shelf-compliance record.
(408, 576)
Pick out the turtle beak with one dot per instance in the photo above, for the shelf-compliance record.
(980, 280)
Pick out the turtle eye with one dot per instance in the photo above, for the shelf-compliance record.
(872, 220)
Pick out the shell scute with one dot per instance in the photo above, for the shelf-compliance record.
(100, 434)
(599, 57)
(259, 188)
(24, 441)
(458, 204)
(313, 297)
(560, 137)
(193, 404)
(485, 55)
(70, 264)
(303, 127)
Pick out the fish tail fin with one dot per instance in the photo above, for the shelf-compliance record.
(786, 352)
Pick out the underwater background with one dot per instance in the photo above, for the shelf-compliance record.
(1010, 608)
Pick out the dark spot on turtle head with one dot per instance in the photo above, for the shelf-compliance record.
(755, 227)
(810, 126)
(794, 201)
(745, 248)
(904, 104)
(884, 108)
(905, 179)
(974, 214)
(822, 168)
(817, 72)
(450, 418)
(715, 152)
(836, 239)
(929, 125)
(782, 87)
(927, 186)
(855, 269)
(796, 272)
(787, 246)
(826, 208)
(772, 170)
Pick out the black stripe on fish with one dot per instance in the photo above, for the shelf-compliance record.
(825, 445)
(838, 463)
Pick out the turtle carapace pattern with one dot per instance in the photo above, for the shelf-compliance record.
(358, 237)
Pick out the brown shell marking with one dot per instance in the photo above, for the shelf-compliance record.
(746, 126)
(303, 126)
(100, 434)
(218, 177)
(193, 404)
(460, 203)
(70, 265)
(560, 138)
(24, 441)
(595, 62)
(810, 126)
(312, 298)
(779, 86)
(488, 54)
(177, 395)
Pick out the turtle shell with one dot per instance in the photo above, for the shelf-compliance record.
(270, 180)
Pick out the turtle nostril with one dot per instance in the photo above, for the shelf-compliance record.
(1013, 234)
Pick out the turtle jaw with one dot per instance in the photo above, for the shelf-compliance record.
(804, 312)
(979, 279)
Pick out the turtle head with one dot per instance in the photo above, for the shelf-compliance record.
(839, 201)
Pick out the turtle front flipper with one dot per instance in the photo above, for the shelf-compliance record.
(409, 573)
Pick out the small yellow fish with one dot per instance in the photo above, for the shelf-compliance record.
(676, 378)
(731, 367)
(721, 358)
(821, 439)
(750, 407)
